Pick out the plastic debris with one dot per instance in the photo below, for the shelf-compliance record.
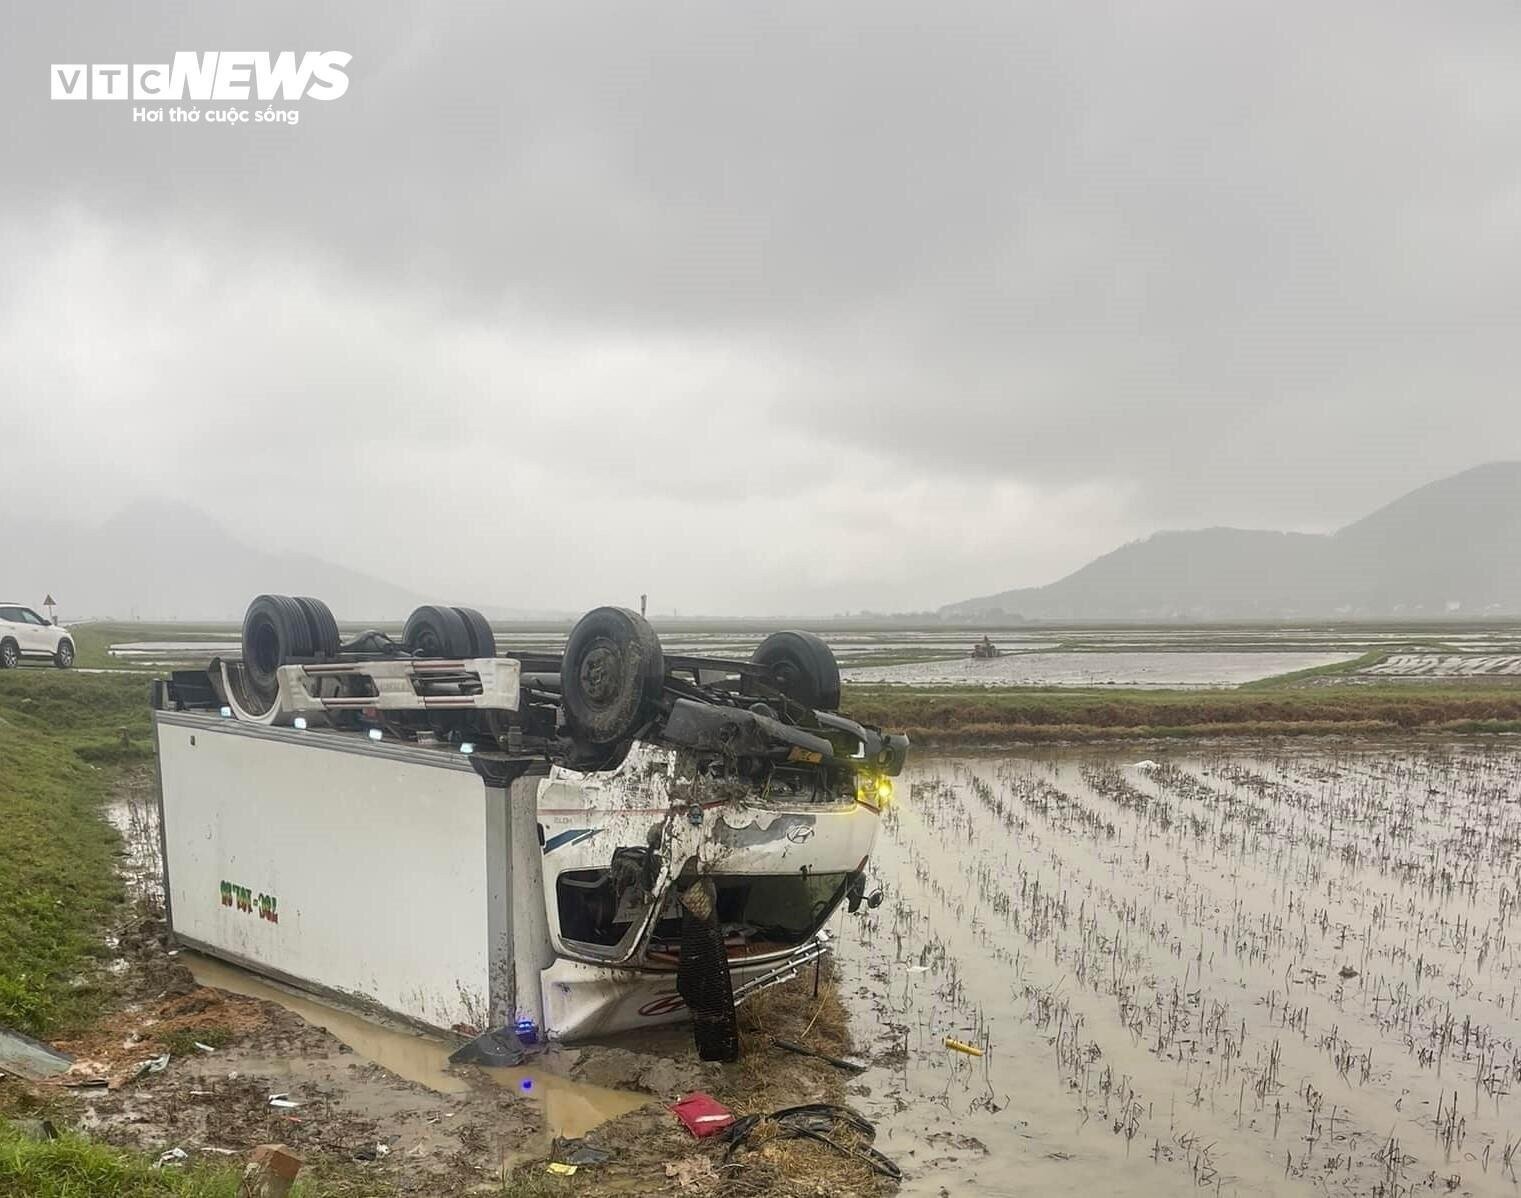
(26, 1057)
(956, 1045)
(578, 1152)
(497, 1049)
(157, 1065)
(702, 1114)
(173, 1157)
(560, 1170)
(1146, 766)
(204, 1047)
(283, 1101)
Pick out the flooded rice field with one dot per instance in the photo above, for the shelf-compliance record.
(1447, 665)
(1159, 669)
(1032, 655)
(1241, 972)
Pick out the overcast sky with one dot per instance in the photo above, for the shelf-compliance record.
(793, 307)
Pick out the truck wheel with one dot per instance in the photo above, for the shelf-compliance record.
(321, 625)
(64, 657)
(612, 668)
(10, 655)
(802, 667)
(482, 640)
(436, 632)
(275, 631)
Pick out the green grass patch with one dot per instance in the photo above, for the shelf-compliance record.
(1355, 666)
(75, 1167)
(58, 881)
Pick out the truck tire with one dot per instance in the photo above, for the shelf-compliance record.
(10, 654)
(275, 631)
(802, 667)
(63, 658)
(612, 669)
(482, 640)
(434, 631)
(320, 622)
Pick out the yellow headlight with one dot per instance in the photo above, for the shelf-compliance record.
(884, 790)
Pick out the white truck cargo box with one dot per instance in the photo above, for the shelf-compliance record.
(376, 870)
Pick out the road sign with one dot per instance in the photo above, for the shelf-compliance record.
(49, 602)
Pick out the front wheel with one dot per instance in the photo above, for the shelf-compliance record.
(10, 655)
(64, 657)
(612, 669)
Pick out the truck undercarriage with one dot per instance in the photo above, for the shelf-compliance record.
(694, 821)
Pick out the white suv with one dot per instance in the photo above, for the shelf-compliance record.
(23, 633)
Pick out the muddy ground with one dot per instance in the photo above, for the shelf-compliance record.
(269, 1065)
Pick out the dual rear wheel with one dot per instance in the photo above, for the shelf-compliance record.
(437, 631)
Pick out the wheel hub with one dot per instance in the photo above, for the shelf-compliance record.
(600, 673)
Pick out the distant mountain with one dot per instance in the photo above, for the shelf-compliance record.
(1450, 548)
(168, 561)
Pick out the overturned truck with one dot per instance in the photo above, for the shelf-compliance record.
(475, 839)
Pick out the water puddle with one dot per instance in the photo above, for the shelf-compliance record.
(570, 1108)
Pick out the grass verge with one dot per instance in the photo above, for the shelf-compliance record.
(60, 737)
(74, 1167)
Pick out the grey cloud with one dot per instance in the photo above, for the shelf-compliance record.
(1250, 264)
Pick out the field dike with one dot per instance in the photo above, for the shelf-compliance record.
(1326, 705)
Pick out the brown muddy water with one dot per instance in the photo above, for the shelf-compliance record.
(570, 1108)
(1240, 972)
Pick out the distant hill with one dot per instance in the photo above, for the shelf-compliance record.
(1450, 548)
(168, 561)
